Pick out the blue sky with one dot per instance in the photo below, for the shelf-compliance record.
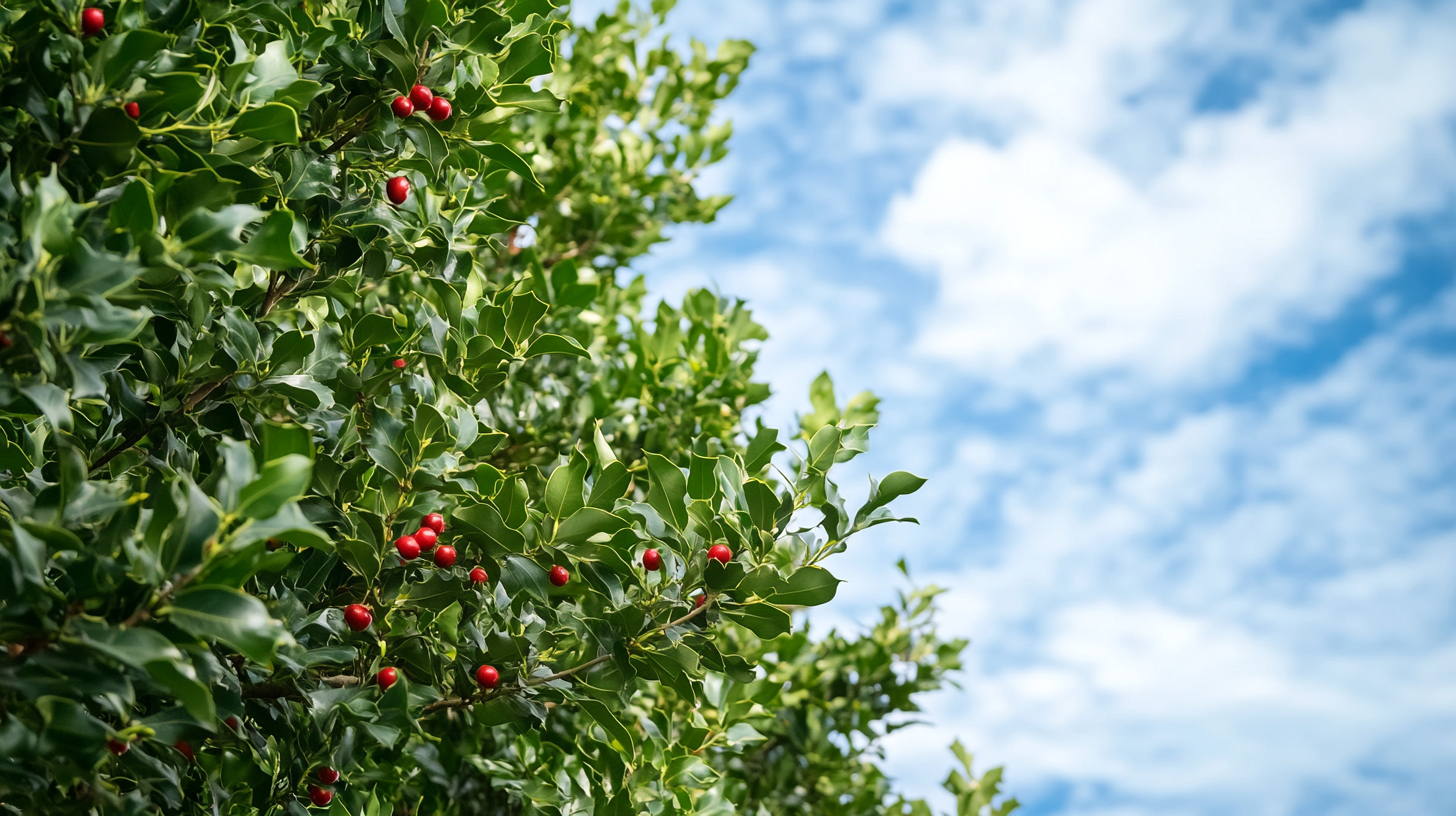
(1159, 297)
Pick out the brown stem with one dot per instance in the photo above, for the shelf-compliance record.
(126, 444)
(278, 288)
(270, 691)
(131, 441)
(340, 680)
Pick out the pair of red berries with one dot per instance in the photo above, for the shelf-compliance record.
(421, 99)
(652, 559)
(93, 22)
(423, 540)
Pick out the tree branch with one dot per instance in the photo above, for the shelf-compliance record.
(466, 702)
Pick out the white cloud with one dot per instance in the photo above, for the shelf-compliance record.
(1244, 611)
(1055, 263)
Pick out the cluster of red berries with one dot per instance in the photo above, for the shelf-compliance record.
(420, 99)
(652, 559)
(423, 540)
(424, 100)
(321, 797)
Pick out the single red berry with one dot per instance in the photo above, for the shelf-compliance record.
(232, 722)
(487, 677)
(274, 544)
(186, 748)
(327, 775)
(117, 746)
(386, 677)
(445, 557)
(321, 797)
(402, 107)
(133, 110)
(93, 20)
(421, 97)
(700, 600)
(4, 340)
(439, 109)
(435, 522)
(358, 617)
(427, 538)
(559, 575)
(652, 560)
(478, 576)
(400, 363)
(408, 547)
(398, 190)
(720, 553)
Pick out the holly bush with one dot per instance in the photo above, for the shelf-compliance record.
(345, 463)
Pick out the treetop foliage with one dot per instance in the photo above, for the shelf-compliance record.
(259, 328)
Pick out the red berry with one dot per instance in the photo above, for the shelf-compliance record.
(358, 617)
(478, 576)
(327, 775)
(400, 364)
(445, 557)
(321, 797)
(402, 107)
(117, 746)
(559, 575)
(408, 547)
(421, 97)
(186, 749)
(133, 110)
(652, 560)
(4, 340)
(386, 677)
(427, 538)
(398, 190)
(435, 522)
(439, 109)
(232, 722)
(487, 677)
(698, 601)
(93, 20)
(720, 553)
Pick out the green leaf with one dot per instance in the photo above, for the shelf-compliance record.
(108, 139)
(762, 503)
(507, 158)
(761, 449)
(231, 617)
(528, 57)
(273, 122)
(609, 485)
(761, 618)
(554, 344)
(895, 485)
(208, 232)
(375, 330)
(521, 96)
(565, 487)
(526, 311)
(668, 490)
(119, 55)
(278, 243)
(51, 401)
(587, 522)
(619, 733)
(521, 574)
(282, 480)
(808, 586)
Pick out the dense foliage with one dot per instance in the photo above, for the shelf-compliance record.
(261, 320)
